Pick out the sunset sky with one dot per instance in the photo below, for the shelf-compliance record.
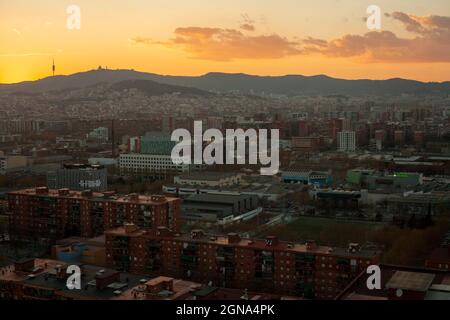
(264, 37)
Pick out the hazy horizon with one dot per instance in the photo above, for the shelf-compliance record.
(216, 72)
(261, 38)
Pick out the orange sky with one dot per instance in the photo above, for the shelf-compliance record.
(195, 37)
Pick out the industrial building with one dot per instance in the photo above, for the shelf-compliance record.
(373, 180)
(79, 177)
(210, 179)
(307, 177)
(420, 207)
(12, 162)
(219, 208)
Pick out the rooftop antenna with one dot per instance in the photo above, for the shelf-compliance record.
(53, 67)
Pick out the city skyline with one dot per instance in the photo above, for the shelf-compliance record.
(253, 38)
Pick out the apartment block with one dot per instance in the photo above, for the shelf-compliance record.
(50, 214)
(269, 265)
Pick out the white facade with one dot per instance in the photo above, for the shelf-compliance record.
(347, 141)
(148, 163)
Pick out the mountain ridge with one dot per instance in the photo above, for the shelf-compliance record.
(290, 84)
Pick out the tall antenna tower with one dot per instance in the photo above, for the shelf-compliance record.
(53, 67)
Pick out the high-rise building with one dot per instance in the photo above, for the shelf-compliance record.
(399, 138)
(380, 138)
(335, 126)
(347, 141)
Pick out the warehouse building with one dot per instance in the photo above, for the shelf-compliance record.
(220, 208)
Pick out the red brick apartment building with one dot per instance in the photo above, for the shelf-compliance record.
(42, 213)
(305, 270)
(141, 237)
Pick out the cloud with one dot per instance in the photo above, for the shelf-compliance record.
(430, 42)
(227, 44)
(17, 31)
(247, 23)
(247, 27)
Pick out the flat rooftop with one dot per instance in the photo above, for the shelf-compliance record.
(208, 175)
(96, 196)
(258, 244)
(414, 281)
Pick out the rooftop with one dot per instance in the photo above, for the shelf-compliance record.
(258, 244)
(414, 281)
(98, 196)
(207, 175)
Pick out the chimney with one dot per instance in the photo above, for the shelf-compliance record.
(233, 237)
(133, 197)
(311, 245)
(158, 198)
(104, 278)
(63, 192)
(196, 234)
(271, 241)
(86, 193)
(24, 265)
(41, 190)
(353, 247)
(130, 228)
(163, 231)
(108, 194)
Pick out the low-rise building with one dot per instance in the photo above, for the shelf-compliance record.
(307, 177)
(220, 208)
(209, 179)
(12, 162)
(401, 283)
(79, 177)
(149, 166)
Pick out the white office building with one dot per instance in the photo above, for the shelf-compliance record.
(152, 166)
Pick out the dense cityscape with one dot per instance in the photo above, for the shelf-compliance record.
(119, 184)
(362, 181)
